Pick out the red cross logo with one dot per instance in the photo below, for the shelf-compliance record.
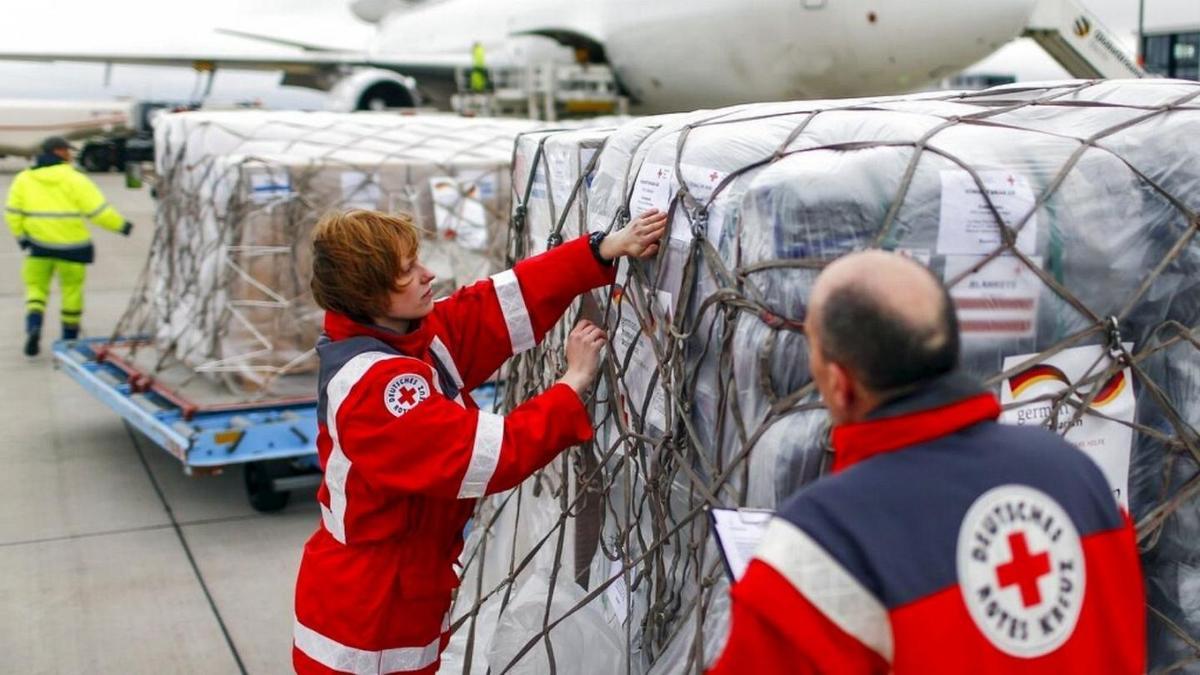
(408, 396)
(1011, 180)
(713, 176)
(1024, 569)
(661, 173)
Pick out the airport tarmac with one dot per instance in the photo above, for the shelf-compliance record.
(112, 560)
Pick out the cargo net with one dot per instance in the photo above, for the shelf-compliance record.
(1063, 218)
(223, 305)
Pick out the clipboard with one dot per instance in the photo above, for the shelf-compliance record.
(738, 533)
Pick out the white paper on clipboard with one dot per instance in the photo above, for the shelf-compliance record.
(739, 532)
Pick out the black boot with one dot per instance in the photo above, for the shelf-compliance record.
(70, 332)
(33, 333)
(31, 343)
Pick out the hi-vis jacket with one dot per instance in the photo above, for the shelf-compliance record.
(944, 543)
(406, 453)
(47, 206)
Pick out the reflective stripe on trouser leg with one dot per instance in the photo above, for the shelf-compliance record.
(37, 273)
(71, 276)
(346, 659)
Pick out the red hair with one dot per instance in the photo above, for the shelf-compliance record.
(358, 257)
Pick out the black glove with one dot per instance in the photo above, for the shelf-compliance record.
(23, 242)
(127, 228)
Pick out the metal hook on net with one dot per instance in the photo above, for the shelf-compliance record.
(518, 220)
(554, 240)
(700, 224)
(622, 216)
(1112, 331)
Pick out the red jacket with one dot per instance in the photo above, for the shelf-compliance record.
(406, 453)
(944, 543)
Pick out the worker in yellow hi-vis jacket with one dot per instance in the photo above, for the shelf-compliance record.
(47, 205)
(479, 74)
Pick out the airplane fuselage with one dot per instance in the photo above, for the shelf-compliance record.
(685, 54)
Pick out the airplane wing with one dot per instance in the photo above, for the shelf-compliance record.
(306, 63)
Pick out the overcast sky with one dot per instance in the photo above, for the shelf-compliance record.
(178, 26)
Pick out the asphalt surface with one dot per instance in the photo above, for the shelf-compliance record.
(111, 559)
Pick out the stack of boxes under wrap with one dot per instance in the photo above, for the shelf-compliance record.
(239, 194)
(1082, 315)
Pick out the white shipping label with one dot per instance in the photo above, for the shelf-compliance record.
(538, 189)
(361, 190)
(1107, 441)
(585, 159)
(701, 183)
(967, 226)
(739, 532)
(269, 187)
(1000, 300)
(617, 592)
(458, 213)
(562, 179)
(653, 189)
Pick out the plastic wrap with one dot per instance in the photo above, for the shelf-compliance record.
(705, 396)
(226, 289)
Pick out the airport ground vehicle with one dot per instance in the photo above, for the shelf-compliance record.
(135, 144)
(273, 440)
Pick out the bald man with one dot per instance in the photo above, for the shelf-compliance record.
(942, 542)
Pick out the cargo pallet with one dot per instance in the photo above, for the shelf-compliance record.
(274, 440)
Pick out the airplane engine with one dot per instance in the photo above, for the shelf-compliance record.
(373, 89)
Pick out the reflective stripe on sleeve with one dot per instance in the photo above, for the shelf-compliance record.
(46, 214)
(485, 455)
(60, 247)
(516, 315)
(827, 585)
(337, 656)
(96, 211)
(337, 469)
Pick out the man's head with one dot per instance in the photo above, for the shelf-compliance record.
(57, 146)
(365, 266)
(878, 324)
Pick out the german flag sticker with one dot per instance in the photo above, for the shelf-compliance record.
(1111, 390)
(1039, 374)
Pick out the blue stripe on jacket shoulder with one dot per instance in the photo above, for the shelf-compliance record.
(333, 354)
(892, 521)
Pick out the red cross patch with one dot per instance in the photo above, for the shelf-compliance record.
(404, 392)
(1021, 570)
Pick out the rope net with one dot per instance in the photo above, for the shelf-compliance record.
(1062, 217)
(224, 297)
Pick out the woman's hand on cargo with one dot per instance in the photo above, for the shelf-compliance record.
(638, 239)
(583, 355)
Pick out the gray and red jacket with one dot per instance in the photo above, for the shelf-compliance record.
(406, 453)
(944, 542)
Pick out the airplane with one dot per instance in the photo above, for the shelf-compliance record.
(667, 55)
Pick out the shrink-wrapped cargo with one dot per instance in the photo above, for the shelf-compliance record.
(226, 287)
(1062, 216)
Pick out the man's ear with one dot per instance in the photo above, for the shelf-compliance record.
(841, 388)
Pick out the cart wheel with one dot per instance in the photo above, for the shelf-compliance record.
(259, 476)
